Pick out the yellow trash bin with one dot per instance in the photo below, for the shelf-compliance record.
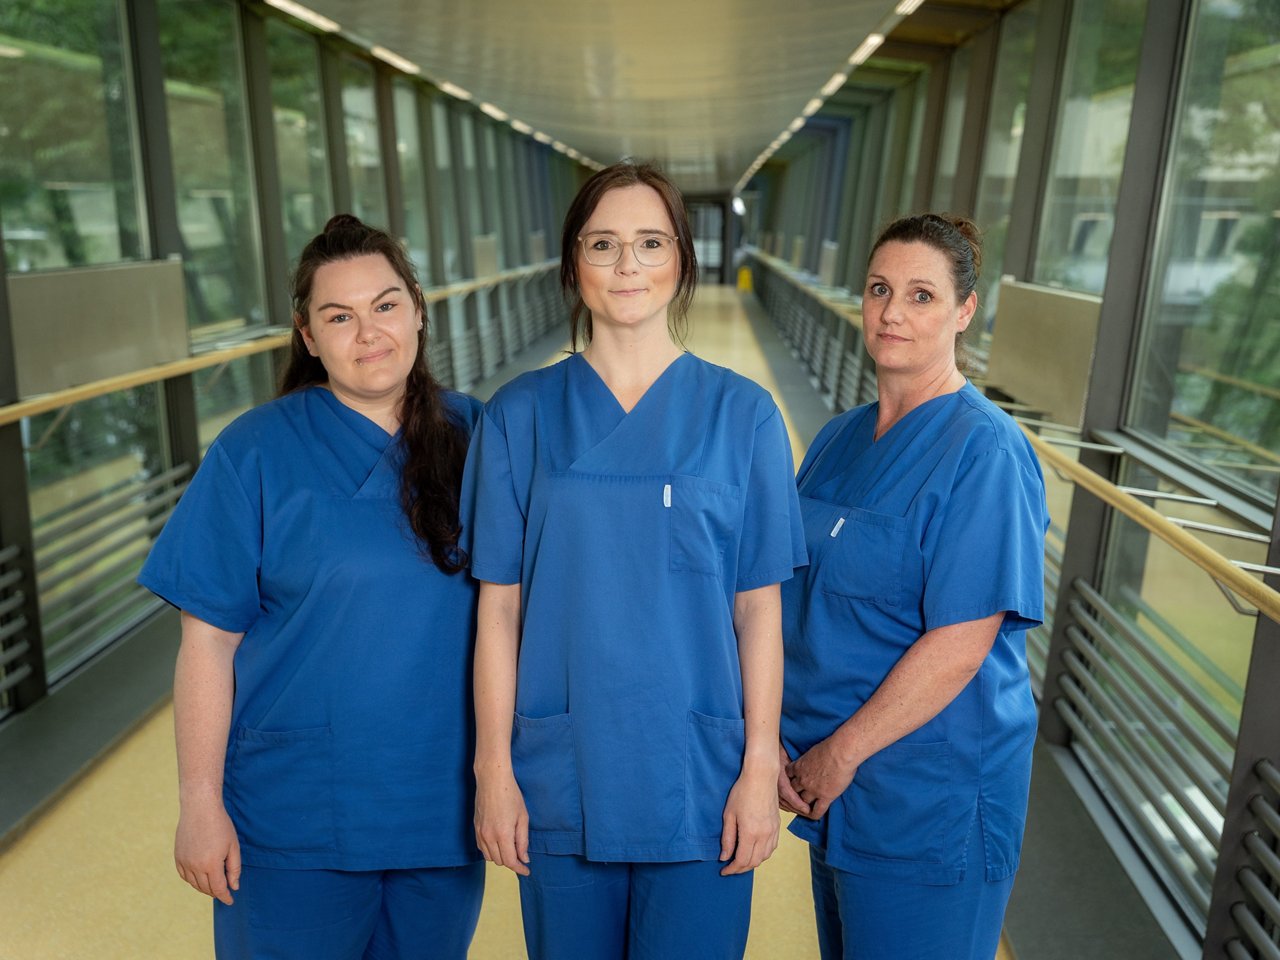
(744, 279)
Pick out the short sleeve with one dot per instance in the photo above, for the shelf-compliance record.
(492, 521)
(207, 557)
(772, 542)
(985, 553)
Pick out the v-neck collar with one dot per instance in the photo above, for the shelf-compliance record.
(593, 375)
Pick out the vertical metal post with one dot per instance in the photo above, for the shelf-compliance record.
(385, 111)
(931, 131)
(977, 114)
(335, 129)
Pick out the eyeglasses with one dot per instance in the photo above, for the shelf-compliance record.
(604, 249)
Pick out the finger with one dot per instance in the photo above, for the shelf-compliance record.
(203, 884)
(508, 858)
(522, 839)
(788, 795)
(728, 836)
(743, 861)
(233, 865)
(820, 809)
(218, 884)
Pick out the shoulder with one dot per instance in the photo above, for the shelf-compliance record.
(738, 395)
(265, 426)
(462, 408)
(521, 390)
(981, 430)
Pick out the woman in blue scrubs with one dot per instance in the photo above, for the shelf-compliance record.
(631, 512)
(322, 693)
(908, 718)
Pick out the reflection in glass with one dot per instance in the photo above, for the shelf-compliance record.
(1089, 144)
(364, 151)
(1000, 154)
(448, 192)
(413, 185)
(229, 389)
(213, 173)
(944, 182)
(69, 190)
(1209, 367)
(95, 503)
(297, 108)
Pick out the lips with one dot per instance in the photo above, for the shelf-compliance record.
(374, 357)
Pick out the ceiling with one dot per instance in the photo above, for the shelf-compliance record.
(700, 86)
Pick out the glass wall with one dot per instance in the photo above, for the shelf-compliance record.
(229, 389)
(213, 174)
(448, 194)
(413, 184)
(1089, 144)
(297, 106)
(69, 180)
(944, 181)
(1207, 382)
(364, 152)
(1001, 151)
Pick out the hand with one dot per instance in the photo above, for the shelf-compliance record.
(788, 799)
(750, 820)
(502, 821)
(819, 776)
(206, 849)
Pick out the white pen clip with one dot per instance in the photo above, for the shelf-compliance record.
(666, 495)
(836, 528)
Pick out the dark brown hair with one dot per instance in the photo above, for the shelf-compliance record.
(434, 444)
(626, 174)
(956, 238)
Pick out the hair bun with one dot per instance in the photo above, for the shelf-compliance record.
(343, 221)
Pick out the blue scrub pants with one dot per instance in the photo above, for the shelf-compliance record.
(870, 918)
(577, 909)
(424, 914)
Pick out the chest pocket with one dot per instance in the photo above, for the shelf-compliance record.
(702, 523)
(860, 555)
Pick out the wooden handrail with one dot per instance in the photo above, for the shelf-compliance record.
(163, 371)
(1205, 557)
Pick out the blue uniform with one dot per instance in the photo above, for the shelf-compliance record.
(349, 747)
(630, 534)
(938, 522)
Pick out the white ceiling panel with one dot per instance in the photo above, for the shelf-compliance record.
(700, 86)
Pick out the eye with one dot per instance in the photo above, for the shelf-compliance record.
(603, 244)
(385, 306)
(923, 296)
(339, 318)
(653, 243)
(878, 290)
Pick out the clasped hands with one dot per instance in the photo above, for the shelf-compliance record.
(808, 785)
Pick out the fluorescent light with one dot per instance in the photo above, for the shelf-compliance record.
(12, 53)
(557, 145)
(812, 107)
(541, 137)
(795, 125)
(494, 112)
(453, 90)
(835, 83)
(907, 7)
(305, 15)
(521, 127)
(739, 206)
(866, 48)
(397, 61)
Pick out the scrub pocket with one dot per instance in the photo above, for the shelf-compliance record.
(545, 765)
(703, 516)
(865, 557)
(900, 803)
(712, 763)
(280, 785)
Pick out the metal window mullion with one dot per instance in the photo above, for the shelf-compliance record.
(1138, 642)
(1085, 739)
(1081, 701)
(1220, 761)
(1212, 791)
(108, 504)
(1248, 924)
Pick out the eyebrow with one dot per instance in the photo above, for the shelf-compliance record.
(342, 306)
(925, 280)
(614, 233)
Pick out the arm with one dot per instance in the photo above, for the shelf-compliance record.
(751, 813)
(205, 849)
(501, 821)
(928, 677)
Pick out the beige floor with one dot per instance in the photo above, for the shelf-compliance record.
(94, 877)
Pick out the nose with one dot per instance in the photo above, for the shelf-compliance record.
(627, 262)
(368, 332)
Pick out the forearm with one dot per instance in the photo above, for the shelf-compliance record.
(496, 658)
(920, 686)
(203, 691)
(757, 617)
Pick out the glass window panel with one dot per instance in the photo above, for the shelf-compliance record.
(93, 517)
(1089, 144)
(1001, 152)
(229, 389)
(213, 172)
(413, 185)
(364, 150)
(952, 127)
(493, 217)
(447, 193)
(302, 156)
(1207, 381)
(69, 178)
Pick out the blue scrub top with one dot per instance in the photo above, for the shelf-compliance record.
(351, 730)
(630, 534)
(940, 521)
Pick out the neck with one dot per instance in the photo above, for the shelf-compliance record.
(898, 396)
(384, 411)
(630, 361)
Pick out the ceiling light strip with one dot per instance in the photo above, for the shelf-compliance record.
(306, 16)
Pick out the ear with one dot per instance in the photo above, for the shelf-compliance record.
(967, 310)
(304, 328)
